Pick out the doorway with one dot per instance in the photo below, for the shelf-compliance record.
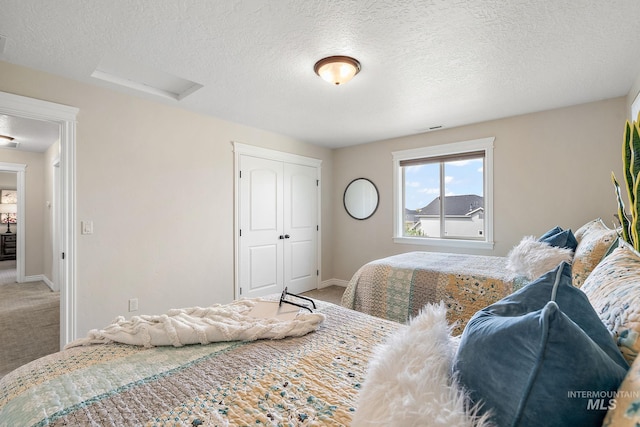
(8, 225)
(18, 228)
(65, 117)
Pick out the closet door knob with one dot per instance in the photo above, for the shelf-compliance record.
(281, 237)
(286, 236)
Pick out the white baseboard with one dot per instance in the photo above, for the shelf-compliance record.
(39, 278)
(333, 282)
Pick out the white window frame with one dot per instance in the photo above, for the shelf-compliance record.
(463, 147)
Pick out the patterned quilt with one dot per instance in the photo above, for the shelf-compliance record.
(310, 380)
(397, 287)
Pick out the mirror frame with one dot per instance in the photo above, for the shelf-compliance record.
(371, 210)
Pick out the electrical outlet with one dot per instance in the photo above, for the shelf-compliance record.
(133, 304)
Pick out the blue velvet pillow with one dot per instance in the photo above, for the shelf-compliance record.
(560, 238)
(555, 230)
(529, 357)
(556, 285)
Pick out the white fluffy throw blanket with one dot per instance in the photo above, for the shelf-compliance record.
(531, 258)
(196, 325)
(409, 381)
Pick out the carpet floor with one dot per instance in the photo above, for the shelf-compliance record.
(7, 272)
(30, 319)
(331, 294)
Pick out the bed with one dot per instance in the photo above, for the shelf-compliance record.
(309, 380)
(397, 287)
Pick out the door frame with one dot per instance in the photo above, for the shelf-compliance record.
(57, 261)
(240, 149)
(65, 117)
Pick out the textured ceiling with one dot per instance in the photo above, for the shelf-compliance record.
(424, 63)
(31, 135)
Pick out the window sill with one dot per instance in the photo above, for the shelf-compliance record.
(444, 243)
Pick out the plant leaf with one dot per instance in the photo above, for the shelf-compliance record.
(635, 224)
(626, 162)
(635, 155)
(622, 215)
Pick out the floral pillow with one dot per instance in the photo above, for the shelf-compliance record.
(624, 406)
(613, 288)
(595, 241)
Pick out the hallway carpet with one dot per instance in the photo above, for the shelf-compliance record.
(30, 319)
(7, 272)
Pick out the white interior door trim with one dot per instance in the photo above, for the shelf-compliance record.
(65, 117)
(57, 261)
(266, 153)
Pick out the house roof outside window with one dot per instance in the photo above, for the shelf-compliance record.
(460, 206)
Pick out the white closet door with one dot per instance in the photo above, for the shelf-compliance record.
(261, 225)
(301, 227)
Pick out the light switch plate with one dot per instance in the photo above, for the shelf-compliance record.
(87, 227)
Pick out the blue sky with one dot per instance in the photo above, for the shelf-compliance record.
(422, 182)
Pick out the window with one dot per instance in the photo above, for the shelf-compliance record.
(443, 195)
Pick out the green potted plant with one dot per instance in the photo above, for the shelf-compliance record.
(630, 223)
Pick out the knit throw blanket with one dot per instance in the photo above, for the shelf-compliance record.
(197, 325)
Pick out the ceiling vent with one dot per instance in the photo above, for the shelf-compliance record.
(124, 72)
(8, 142)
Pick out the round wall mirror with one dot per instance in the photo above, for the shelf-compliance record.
(361, 198)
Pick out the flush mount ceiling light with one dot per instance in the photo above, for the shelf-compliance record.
(337, 69)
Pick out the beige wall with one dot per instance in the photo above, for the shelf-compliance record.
(550, 168)
(157, 182)
(34, 201)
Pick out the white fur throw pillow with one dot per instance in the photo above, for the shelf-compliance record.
(409, 381)
(531, 258)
